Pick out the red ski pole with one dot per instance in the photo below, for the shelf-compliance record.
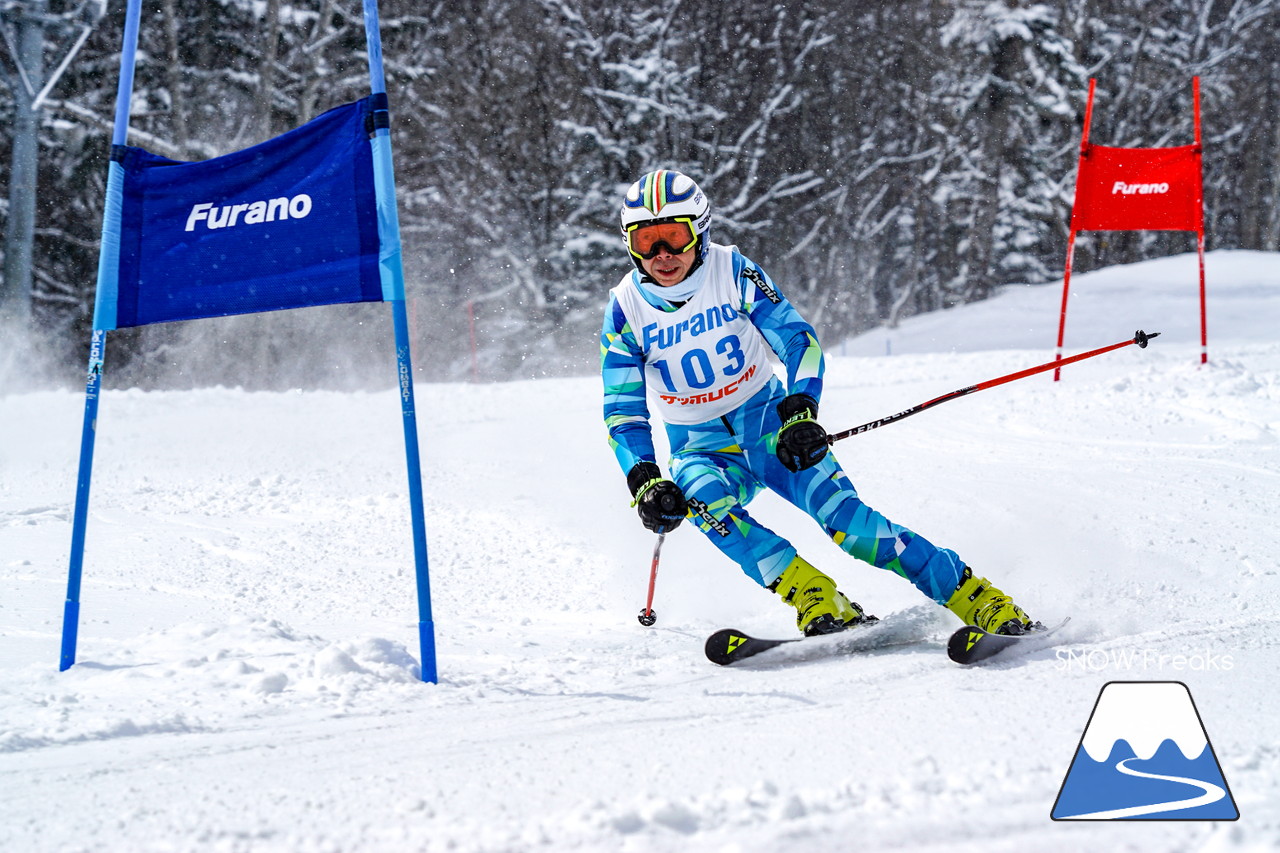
(647, 617)
(1140, 338)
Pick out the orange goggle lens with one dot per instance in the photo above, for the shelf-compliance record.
(645, 241)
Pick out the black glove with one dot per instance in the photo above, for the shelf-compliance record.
(802, 443)
(660, 502)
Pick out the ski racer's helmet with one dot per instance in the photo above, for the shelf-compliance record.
(675, 207)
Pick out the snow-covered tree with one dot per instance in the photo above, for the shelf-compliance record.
(1015, 99)
(880, 158)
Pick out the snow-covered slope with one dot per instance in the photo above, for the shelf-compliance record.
(248, 674)
(1159, 295)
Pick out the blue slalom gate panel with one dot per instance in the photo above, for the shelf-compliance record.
(289, 223)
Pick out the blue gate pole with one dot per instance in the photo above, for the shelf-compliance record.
(103, 319)
(392, 272)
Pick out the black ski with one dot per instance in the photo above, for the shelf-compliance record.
(969, 645)
(729, 645)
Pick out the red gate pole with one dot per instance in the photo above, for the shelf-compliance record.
(1071, 240)
(1204, 325)
(471, 321)
(1066, 289)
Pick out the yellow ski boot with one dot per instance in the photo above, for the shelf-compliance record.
(820, 607)
(980, 604)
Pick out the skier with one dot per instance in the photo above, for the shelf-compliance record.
(692, 327)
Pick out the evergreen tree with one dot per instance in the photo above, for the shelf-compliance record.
(880, 158)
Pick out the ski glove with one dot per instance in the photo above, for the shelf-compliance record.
(802, 442)
(659, 502)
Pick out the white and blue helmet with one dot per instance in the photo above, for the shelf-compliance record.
(666, 197)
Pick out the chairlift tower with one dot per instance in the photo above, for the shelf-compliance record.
(24, 26)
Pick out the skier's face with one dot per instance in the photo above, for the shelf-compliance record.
(667, 268)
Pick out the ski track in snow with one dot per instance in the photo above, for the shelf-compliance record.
(248, 674)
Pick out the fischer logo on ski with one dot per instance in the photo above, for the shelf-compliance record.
(970, 645)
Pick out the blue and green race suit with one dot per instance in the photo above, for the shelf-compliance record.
(704, 364)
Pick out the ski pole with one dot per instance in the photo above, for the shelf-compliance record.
(647, 617)
(1140, 338)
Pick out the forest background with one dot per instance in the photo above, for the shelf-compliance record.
(880, 159)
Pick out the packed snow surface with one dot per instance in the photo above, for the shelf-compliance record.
(248, 673)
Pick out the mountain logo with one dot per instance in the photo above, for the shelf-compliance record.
(1144, 755)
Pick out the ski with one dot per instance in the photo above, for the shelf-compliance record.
(970, 645)
(730, 645)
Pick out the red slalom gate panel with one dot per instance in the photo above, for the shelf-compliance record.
(1138, 189)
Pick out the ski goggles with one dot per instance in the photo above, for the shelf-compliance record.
(646, 239)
